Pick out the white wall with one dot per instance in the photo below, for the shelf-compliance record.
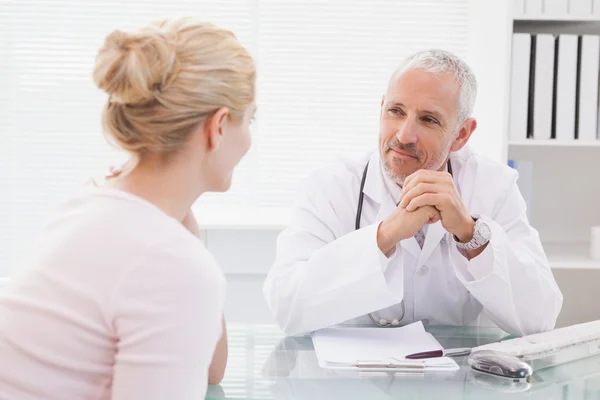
(242, 251)
(489, 56)
(565, 190)
(490, 30)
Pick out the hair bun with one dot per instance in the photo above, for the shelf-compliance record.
(134, 68)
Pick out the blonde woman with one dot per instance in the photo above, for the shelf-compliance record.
(119, 300)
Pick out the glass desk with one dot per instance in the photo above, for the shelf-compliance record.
(264, 364)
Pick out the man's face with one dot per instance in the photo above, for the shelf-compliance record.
(418, 122)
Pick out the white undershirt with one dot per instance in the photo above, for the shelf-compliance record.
(117, 301)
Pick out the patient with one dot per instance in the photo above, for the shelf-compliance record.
(119, 300)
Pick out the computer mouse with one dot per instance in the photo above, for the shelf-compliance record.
(500, 364)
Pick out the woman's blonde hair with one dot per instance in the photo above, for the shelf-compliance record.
(167, 78)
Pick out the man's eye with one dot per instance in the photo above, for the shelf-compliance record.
(430, 120)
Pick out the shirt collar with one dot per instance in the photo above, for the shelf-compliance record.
(392, 187)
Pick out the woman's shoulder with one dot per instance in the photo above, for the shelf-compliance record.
(184, 255)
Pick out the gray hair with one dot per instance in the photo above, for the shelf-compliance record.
(440, 62)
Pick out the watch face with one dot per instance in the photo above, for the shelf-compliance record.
(483, 232)
(481, 235)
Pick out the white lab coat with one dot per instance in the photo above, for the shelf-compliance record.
(327, 273)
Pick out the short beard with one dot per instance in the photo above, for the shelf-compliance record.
(435, 164)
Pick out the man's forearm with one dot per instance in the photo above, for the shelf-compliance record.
(219, 361)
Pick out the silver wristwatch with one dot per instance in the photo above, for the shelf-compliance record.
(481, 235)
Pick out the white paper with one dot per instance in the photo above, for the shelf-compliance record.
(347, 346)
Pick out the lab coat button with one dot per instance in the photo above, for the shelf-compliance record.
(423, 270)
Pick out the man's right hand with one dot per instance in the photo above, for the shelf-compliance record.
(404, 224)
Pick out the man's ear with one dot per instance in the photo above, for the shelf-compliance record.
(464, 133)
(213, 126)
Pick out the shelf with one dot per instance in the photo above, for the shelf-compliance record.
(557, 19)
(554, 143)
(564, 25)
(570, 256)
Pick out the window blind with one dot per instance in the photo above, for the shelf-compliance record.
(323, 67)
(50, 110)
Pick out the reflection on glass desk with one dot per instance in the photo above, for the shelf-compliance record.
(264, 364)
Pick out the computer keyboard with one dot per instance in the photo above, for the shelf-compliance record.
(576, 341)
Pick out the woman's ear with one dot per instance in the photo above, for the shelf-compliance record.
(214, 128)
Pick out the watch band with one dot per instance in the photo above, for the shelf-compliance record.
(481, 235)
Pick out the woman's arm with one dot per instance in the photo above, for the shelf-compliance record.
(168, 316)
(219, 360)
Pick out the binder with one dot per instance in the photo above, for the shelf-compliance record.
(589, 68)
(556, 8)
(566, 87)
(534, 7)
(543, 86)
(519, 8)
(582, 8)
(596, 7)
(519, 86)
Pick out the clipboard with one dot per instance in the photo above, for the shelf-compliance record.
(379, 350)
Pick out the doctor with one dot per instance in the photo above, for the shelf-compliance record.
(423, 229)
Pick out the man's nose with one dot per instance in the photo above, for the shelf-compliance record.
(407, 131)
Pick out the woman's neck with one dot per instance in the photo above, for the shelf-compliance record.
(169, 187)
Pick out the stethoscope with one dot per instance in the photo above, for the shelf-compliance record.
(382, 323)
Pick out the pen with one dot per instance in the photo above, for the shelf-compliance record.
(387, 363)
(390, 364)
(440, 353)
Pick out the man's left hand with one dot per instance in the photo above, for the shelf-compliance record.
(436, 188)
